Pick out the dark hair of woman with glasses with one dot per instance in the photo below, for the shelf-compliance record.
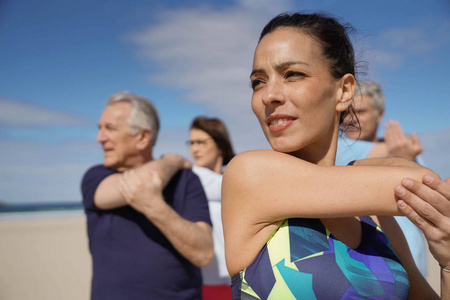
(205, 129)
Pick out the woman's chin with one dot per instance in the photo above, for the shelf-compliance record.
(283, 148)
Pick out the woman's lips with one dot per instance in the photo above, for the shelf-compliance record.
(279, 123)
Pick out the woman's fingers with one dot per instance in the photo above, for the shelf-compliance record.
(433, 190)
(437, 184)
(427, 205)
(420, 212)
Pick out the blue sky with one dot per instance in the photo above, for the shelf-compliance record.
(61, 59)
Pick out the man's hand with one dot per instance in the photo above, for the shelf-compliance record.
(108, 195)
(400, 144)
(177, 160)
(142, 192)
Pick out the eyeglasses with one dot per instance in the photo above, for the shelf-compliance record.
(201, 143)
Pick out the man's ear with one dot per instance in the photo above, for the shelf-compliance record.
(345, 92)
(380, 116)
(143, 139)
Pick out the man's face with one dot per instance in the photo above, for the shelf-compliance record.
(114, 134)
(368, 120)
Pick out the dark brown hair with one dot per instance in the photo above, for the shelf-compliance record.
(217, 130)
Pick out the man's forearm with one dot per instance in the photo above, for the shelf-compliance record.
(166, 167)
(193, 240)
(108, 196)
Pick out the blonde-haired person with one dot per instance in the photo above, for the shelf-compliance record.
(211, 149)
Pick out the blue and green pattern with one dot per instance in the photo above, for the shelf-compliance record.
(302, 260)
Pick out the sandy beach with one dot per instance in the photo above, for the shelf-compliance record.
(45, 256)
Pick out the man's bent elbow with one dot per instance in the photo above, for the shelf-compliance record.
(204, 258)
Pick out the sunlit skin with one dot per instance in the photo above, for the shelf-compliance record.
(206, 154)
(368, 118)
(121, 149)
(298, 104)
(292, 85)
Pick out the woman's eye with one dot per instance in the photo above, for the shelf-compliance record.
(255, 83)
(294, 74)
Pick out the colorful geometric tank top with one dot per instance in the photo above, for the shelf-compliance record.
(302, 260)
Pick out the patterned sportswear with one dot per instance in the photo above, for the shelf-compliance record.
(303, 260)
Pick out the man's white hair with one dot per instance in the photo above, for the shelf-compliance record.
(372, 89)
(143, 115)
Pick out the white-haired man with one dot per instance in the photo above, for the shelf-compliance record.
(361, 142)
(148, 221)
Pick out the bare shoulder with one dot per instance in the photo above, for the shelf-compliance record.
(260, 156)
(244, 231)
(252, 157)
(248, 172)
(241, 168)
(259, 163)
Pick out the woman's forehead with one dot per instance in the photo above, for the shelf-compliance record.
(199, 133)
(286, 44)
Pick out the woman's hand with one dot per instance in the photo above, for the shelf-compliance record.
(427, 205)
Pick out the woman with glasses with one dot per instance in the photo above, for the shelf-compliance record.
(211, 149)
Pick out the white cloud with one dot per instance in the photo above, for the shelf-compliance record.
(15, 113)
(208, 54)
(379, 57)
(411, 40)
(397, 45)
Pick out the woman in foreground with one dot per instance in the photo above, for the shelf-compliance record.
(288, 214)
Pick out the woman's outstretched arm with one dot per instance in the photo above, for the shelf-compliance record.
(277, 186)
(262, 188)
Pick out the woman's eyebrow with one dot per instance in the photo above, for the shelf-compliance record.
(289, 63)
(280, 66)
(256, 71)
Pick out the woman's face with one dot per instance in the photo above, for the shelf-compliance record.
(204, 151)
(294, 94)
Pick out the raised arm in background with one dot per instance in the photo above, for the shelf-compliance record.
(107, 195)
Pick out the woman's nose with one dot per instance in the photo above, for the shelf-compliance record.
(273, 94)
